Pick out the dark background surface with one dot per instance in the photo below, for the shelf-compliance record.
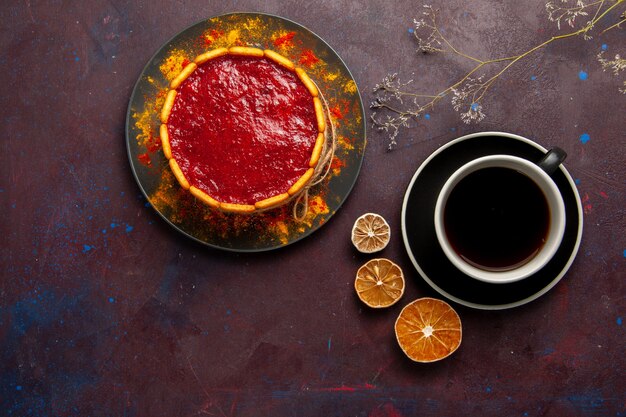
(107, 311)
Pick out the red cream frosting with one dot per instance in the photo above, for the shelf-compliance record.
(242, 128)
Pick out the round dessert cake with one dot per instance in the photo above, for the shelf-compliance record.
(243, 129)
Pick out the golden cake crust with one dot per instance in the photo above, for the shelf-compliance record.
(266, 203)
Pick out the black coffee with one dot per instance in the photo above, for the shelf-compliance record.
(496, 219)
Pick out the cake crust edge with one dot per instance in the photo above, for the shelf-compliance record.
(267, 203)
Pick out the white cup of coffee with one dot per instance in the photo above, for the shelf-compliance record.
(501, 218)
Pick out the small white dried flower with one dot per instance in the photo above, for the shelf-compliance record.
(470, 110)
(458, 98)
(389, 87)
(474, 114)
(616, 65)
(463, 97)
(391, 125)
(568, 12)
(426, 33)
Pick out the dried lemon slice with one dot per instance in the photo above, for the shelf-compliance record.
(370, 233)
(428, 330)
(379, 283)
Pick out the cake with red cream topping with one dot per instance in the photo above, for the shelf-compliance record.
(243, 129)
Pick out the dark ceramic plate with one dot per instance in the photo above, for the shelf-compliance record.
(275, 228)
(420, 239)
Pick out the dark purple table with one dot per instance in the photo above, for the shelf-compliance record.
(105, 310)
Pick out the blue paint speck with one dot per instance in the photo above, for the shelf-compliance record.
(624, 253)
(147, 205)
(76, 59)
(586, 401)
(605, 46)
(113, 225)
(474, 106)
(87, 248)
(111, 300)
(427, 116)
(488, 389)
(330, 339)
(582, 75)
(577, 181)
(533, 77)
(18, 387)
(618, 321)
(129, 228)
(104, 231)
(228, 312)
(453, 129)
(411, 30)
(584, 138)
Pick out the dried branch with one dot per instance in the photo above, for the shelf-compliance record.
(395, 107)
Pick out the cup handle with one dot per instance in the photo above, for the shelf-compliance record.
(551, 161)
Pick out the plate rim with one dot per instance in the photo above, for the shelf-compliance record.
(456, 299)
(357, 168)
